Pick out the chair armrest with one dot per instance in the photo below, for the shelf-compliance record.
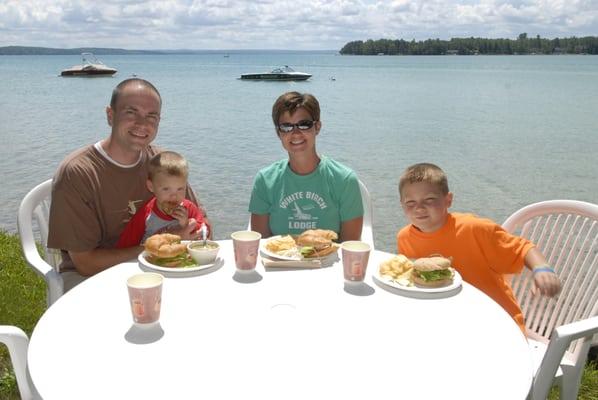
(54, 281)
(561, 339)
(17, 342)
(34, 259)
(578, 329)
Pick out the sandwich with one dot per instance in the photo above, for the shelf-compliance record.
(168, 207)
(166, 250)
(432, 272)
(317, 243)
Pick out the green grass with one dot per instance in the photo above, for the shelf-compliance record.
(23, 301)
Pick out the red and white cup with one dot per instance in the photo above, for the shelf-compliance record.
(246, 245)
(355, 256)
(145, 297)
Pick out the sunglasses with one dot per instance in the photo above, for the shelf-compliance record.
(304, 125)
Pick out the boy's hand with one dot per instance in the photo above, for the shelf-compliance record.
(547, 283)
(182, 215)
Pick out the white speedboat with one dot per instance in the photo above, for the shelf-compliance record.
(285, 73)
(90, 66)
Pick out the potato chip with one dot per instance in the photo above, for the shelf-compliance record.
(397, 268)
(280, 244)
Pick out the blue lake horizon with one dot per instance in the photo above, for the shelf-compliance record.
(508, 130)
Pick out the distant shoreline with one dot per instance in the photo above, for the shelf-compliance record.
(40, 51)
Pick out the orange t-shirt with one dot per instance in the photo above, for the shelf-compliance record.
(481, 250)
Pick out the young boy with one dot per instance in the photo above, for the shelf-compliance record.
(168, 209)
(481, 250)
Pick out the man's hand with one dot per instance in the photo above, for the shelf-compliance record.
(93, 261)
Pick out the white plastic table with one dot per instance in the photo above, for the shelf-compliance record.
(288, 335)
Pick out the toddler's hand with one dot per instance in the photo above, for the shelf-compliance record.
(547, 283)
(188, 232)
(182, 215)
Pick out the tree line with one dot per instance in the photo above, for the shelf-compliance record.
(469, 46)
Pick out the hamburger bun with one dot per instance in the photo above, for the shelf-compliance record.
(430, 284)
(316, 237)
(431, 263)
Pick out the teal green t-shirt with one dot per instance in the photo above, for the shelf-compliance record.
(321, 200)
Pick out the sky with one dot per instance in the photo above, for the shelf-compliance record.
(282, 24)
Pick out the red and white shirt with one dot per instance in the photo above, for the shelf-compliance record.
(150, 220)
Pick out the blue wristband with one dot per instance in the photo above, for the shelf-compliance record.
(544, 268)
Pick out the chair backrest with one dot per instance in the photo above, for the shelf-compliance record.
(560, 340)
(32, 223)
(17, 342)
(367, 231)
(33, 219)
(566, 232)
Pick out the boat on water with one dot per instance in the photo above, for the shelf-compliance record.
(90, 66)
(285, 73)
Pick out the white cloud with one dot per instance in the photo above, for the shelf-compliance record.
(299, 24)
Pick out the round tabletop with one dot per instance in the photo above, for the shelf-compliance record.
(273, 334)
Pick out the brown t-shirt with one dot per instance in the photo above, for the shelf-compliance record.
(93, 199)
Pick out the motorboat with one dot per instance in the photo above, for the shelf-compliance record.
(90, 66)
(285, 73)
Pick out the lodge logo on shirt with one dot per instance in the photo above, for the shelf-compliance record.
(301, 205)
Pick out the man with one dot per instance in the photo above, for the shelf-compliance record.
(97, 189)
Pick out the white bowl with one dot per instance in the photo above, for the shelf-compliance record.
(201, 255)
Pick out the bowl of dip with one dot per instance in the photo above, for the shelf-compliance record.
(203, 254)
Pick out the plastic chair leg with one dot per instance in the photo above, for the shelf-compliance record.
(569, 387)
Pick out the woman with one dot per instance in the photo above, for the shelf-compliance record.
(307, 191)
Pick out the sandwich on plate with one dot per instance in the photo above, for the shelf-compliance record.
(317, 243)
(432, 272)
(166, 250)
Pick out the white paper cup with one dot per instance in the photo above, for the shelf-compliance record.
(145, 297)
(355, 260)
(246, 245)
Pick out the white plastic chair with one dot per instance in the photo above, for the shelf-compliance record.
(17, 342)
(561, 339)
(367, 233)
(566, 231)
(367, 230)
(35, 206)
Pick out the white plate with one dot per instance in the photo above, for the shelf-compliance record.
(271, 254)
(417, 291)
(178, 271)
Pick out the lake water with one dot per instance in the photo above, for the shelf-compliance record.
(508, 130)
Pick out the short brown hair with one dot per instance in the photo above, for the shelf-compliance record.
(424, 172)
(120, 87)
(291, 101)
(168, 162)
